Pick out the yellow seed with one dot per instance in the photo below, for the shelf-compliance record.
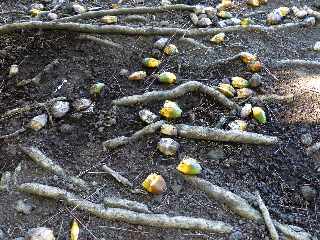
(254, 3)
(218, 38)
(239, 82)
(155, 184)
(35, 12)
(189, 166)
(171, 110)
(109, 19)
(151, 62)
(224, 14)
(136, 76)
(244, 92)
(74, 231)
(259, 115)
(284, 11)
(226, 89)
(247, 57)
(170, 49)
(254, 66)
(167, 77)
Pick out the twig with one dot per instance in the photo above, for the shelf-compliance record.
(21, 130)
(117, 176)
(214, 134)
(115, 214)
(292, 232)
(102, 42)
(192, 86)
(295, 62)
(126, 204)
(125, 11)
(120, 141)
(46, 163)
(145, 31)
(36, 80)
(266, 217)
(28, 108)
(312, 149)
(269, 98)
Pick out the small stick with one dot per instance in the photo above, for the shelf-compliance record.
(28, 108)
(36, 80)
(101, 42)
(214, 134)
(116, 214)
(295, 62)
(117, 176)
(292, 232)
(126, 204)
(146, 31)
(269, 98)
(192, 86)
(46, 163)
(21, 130)
(312, 149)
(120, 141)
(266, 217)
(126, 11)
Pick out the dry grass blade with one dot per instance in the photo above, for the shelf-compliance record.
(117, 176)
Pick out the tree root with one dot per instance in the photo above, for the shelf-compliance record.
(295, 62)
(270, 98)
(241, 207)
(21, 130)
(192, 86)
(126, 204)
(213, 134)
(117, 176)
(101, 42)
(115, 214)
(28, 108)
(312, 149)
(266, 217)
(146, 31)
(120, 141)
(46, 163)
(125, 11)
(38, 77)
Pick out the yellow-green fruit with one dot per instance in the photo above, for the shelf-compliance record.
(155, 184)
(170, 49)
(167, 77)
(136, 76)
(226, 89)
(224, 14)
(151, 62)
(254, 3)
(109, 19)
(225, 4)
(247, 57)
(238, 125)
(171, 110)
(254, 66)
(189, 166)
(218, 38)
(284, 11)
(259, 115)
(74, 231)
(244, 92)
(35, 12)
(96, 89)
(246, 22)
(239, 82)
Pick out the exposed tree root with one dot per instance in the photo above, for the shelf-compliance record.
(266, 217)
(192, 86)
(126, 204)
(116, 214)
(101, 42)
(120, 141)
(145, 31)
(16, 133)
(38, 77)
(46, 163)
(117, 176)
(241, 207)
(125, 11)
(213, 134)
(312, 149)
(270, 98)
(28, 108)
(295, 62)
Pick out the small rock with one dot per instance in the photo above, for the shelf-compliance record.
(38, 122)
(235, 236)
(81, 104)
(40, 233)
(165, 2)
(194, 18)
(204, 22)
(78, 8)
(135, 19)
(216, 154)
(255, 80)
(246, 110)
(23, 207)
(60, 109)
(147, 116)
(308, 193)
(14, 70)
(161, 43)
(306, 139)
(168, 146)
(124, 72)
(52, 16)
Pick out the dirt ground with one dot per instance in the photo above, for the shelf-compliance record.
(74, 142)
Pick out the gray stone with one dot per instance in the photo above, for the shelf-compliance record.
(255, 80)
(216, 154)
(160, 43)
(40, 233)
(306, 139)
(237, 235)
(60, 109)
(308, 192)
(204, 22)
(23, 207)
(52, 16)
(81, 104)
(194, 18)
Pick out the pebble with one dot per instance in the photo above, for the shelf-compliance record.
(52, 16)
(194, 18)
(160, 43)
(124, 72)
(235, 236)
(135, 19)
(38, 122)
(204, 22)
(255, 80)
(306, 139)
(60, 109)
(168, 146)
(23, 207)
(78, 8)
(81, 104)
(40, 233)
(147, 116)
(308, 193)
(14, 70)
(246, 110)
(216, 154)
